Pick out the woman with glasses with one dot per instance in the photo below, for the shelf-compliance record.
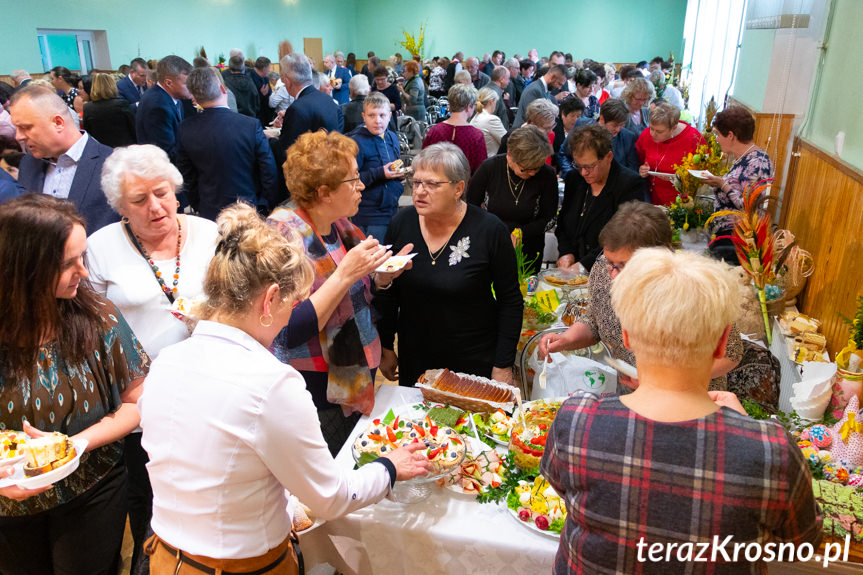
(637, 95)
(459, 306)
(331, 339)
(595, 187)
(635, 225)
(520, 189)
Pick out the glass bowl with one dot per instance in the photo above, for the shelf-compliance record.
(419, 488)
(564, 280)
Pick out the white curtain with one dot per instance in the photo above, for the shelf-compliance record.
(711, 36)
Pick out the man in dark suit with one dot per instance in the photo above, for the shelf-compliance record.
(452, 69)
(223, 156)
(62, 161)
(161, 108)
(260, 76)
(499, 83)
(553, 79)
(478, 78)
(311, 110)
(338, 78)
(133, 86)
(595, 188)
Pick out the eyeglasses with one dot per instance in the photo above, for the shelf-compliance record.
(352, 181)
(585, 167)
(611, 267)
(428, 186)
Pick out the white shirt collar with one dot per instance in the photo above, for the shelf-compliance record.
(75, 152)
(227, 332)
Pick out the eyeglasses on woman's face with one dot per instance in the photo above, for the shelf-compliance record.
(427, 185)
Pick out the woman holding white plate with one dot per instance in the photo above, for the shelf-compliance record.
(331, 338)
(70, 363)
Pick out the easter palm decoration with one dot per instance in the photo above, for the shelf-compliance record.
(753, 241)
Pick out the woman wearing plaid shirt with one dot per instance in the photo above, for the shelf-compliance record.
(672, 463)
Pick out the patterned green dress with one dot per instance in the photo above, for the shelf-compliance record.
(70, 398)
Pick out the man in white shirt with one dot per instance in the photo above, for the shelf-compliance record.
(62, 161)
(338, 78)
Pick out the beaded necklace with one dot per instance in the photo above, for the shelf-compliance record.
(170, 293)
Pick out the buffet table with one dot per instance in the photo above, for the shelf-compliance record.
(447, 533)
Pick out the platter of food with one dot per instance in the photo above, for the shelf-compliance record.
(537, 506)
(529, 433)
(48, 459)
(803, 337)
(12, 446)
(395, 263)
(482, 468)
(565, 279)
(496, 426)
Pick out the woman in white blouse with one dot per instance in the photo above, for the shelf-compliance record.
(144, 264)
(487, 122)
(229, 428)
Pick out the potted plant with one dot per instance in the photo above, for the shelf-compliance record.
(850, 359)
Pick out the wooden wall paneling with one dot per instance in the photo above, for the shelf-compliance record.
(824, 210)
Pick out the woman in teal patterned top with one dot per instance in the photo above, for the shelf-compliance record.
(68, 363)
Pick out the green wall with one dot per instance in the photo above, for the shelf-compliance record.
(64, 51)
(756, 52)
(160, 27)
(606, 30)
(837, 105)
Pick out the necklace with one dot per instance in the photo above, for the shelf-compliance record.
(514, 189)
(434, 257)
(170, 293)
(740, 157)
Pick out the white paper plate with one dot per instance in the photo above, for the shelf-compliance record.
(4, 463)
(395, 263)
(530, 524)
(53, 476)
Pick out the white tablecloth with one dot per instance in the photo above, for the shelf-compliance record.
(447, 533)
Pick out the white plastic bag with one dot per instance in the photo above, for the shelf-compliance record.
(567, 374)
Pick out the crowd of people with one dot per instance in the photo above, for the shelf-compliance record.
(177, 235)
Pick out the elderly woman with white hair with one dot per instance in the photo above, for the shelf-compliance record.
(145, 264)
(352, 111)
(671, 446)
(443, 308)
(456, 129)
(541, 113)
(637, 95)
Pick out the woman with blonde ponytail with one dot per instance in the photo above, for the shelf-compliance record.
(487, 122)
(231, 431)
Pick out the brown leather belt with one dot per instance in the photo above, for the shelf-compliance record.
(182, 559)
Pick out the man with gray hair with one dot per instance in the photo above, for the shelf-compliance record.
(161, 108)
(311, 110)
(20, 78)
(63, 161)
(224, 157)
(338, 77)
(244, 89)
(353, 111)
(477, 78)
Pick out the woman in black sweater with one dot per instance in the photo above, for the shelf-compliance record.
(520, 189)
(595, 188)
(107, 117)
(443, 308)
